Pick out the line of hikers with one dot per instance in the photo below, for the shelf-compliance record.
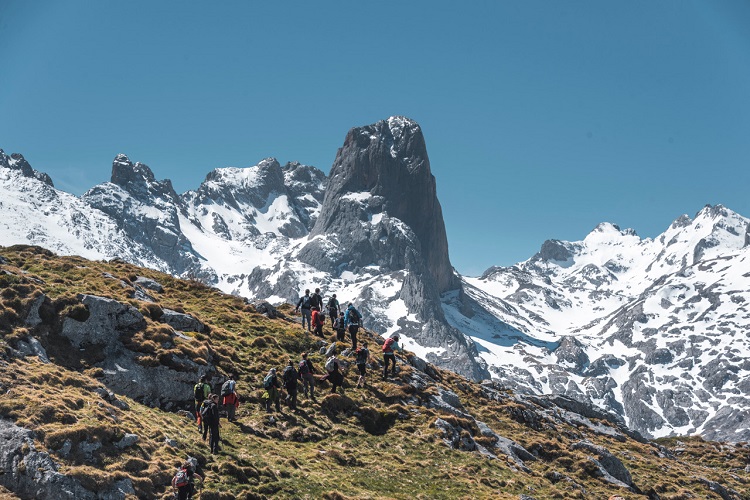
(311, 308)
(207, 405)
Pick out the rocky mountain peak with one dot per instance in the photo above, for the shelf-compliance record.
(139, 180)
(683, 220)
(555, 251)
(16, 161)
(383, 169)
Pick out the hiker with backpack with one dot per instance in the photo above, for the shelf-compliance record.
(211, 423)
(334, 375)
(272, 391)
(318, 320)
(316, 300)
(183, 482)
(201, 390)
(290, 377)
(340, 326)
(389, 354)
(229, 398)
(352, 318)
(306, 371)
(362, 357)
(333, 309)
(305, 306)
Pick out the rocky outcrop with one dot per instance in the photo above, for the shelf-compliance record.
(102, 331)
(182, 322)
(266, 195)
(16, 161)
(147, 210)
(382, 171)
(32, 474)
(610, 468)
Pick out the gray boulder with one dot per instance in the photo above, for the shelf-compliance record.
(182, 322)
(150, 284)
(610, 465)
(266, 309)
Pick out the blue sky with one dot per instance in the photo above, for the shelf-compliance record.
(542, 119)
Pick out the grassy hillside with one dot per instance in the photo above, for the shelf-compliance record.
(377, 442)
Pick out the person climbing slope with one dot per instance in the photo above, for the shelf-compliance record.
(333, 309)
(352, 319)
(306, 371)
(305, 307)
(389, 355)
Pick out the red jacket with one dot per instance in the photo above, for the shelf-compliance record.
(317, 319)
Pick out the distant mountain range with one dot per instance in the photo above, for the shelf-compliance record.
(655, 331)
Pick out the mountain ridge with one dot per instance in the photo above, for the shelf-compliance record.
(269, 231)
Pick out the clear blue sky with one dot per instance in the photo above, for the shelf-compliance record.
(542, 119)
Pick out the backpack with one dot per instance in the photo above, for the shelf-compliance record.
(198, 393)
(303, 368)
(387, 345)
(182, 478)
(226, 388)
(268, 381)
(362, 356)
(306, 302)
(354, 316)
(331, 364)
(206, 412)
(289, 374)
(320, 321)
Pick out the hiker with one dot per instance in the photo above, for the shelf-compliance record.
(316, 300)
(334, 375)
(272, 387)
(363, 356)
(318, 321)
(211, 423)
(201, 390)
(352, 318)
(306, 371)
(229, 397)
(183, 482)
(305, 305)
(389, 354)
(333, 309)
(290, 377)
(340, 326)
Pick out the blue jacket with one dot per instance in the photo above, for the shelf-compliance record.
(347, 315)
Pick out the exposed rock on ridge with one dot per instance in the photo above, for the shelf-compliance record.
(383, 170)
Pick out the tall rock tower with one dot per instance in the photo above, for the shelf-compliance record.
(381, 214)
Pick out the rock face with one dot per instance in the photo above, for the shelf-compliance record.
(32, 474)
(147, 210)
(381, 211)
(103, 332)
(265, 198)
(17, 162)
(382, 172)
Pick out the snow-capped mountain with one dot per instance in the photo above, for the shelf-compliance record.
(372, 232)
(653, 330)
